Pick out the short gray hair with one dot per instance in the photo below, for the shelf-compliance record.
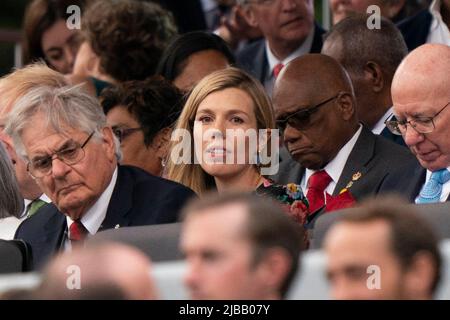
(11, 202)
(67, 105)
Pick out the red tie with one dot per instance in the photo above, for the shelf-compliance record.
(317, 184)
(277, 69)
(77, 232)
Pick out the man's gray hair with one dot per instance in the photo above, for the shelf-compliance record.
(67, 106)
(11, 202)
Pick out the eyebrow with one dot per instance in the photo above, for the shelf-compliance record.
(66, 144)
(229, 112)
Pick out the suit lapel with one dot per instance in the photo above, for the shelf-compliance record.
(121, 201)
(260, 69)
(316, 46)
(358, 161)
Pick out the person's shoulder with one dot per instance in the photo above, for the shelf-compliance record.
(46, 216)
(248, 52)
(424, 16)
(146, 181)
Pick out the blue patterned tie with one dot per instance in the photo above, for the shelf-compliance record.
(431, 192)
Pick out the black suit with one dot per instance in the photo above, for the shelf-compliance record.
(138, 199)
(253, 58)
(415, 30)
(378, 160)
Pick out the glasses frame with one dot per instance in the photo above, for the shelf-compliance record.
(56, 155)
(283, 123)
(125, 132)
(394, 125)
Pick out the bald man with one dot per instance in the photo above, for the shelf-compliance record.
(421, 97)
(108, 271)
(315, 109)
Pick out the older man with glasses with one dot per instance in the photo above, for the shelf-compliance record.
(72, 155)
(340, 161)
(421, 97)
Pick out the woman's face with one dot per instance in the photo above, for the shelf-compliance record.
(134, 150)
(60, 46)
(225, 133)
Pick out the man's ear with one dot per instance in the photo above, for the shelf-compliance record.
(161, 142)
(374, 74)
(420, 276)
(9, 147)
(347, 105)
(249, 15)
(109, 143)
(273, 270)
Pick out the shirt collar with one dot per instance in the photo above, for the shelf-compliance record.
(379, 126)
(94, 217)
(304, 48)
(335, 167)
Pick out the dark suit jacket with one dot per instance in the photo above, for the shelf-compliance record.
(377, 159)
(415, 29)
(188, 15)
(253, 58)
(138, 199)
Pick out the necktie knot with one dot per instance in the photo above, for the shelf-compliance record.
(432, 190)
(317, 184)
(77, 232)
(440, 176)
(277, 69)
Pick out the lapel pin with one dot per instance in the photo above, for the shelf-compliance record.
(117, 226)
(356, 176)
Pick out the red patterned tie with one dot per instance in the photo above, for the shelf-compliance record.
(277, 70)
(77, 232)
(317, 184)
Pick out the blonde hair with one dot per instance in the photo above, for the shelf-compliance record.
(191, 174)
(18, 83)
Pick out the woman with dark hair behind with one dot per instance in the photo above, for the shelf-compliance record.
(141, 114)
(192, 56)
(46, 35)
(11, 202)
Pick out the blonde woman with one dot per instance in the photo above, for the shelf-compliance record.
(226, 125)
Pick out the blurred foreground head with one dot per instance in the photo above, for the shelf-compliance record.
(382, 250)
(106, 271)
(239, 246)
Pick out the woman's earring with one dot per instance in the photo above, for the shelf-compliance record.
(258, 158)
(163, 162)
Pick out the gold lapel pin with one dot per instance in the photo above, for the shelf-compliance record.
(356, 176)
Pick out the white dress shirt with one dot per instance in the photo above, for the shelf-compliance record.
(439, 32)
(335, 167)
(93, 218)
(305, 48)
(379, 126)
(445, 187)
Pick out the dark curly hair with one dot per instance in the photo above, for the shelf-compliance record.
(128, 36)
(155, 103)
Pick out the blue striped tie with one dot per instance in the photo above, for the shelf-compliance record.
(431, 192)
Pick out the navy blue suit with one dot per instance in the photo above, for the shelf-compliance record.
(138, 199)
(415, 29)
(253, 58)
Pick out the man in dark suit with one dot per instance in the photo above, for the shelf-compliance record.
(315, 109)
(72, 155)
(421, 96)
(428, 26)
(370, 58)
(289, 31)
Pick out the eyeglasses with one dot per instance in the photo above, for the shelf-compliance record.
(301, 118)
(122, 133)
(420, 124)
(70, 155)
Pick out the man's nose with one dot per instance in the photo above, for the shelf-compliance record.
(59, 168)
(411, 136)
